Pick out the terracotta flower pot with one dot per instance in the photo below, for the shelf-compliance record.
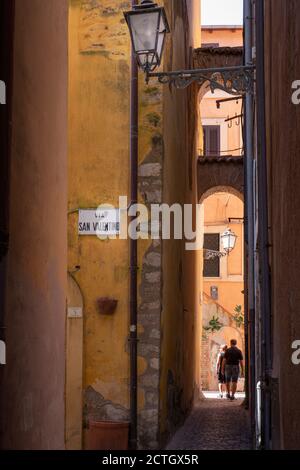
(107, 435)
(106, 305)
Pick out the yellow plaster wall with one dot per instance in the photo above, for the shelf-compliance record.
(230, 293)
(208, 107)
(98, 173)
(223, 37)
(231, 142)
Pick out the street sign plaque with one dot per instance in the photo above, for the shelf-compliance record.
(99, 222)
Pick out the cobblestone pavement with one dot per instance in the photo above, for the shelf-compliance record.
(214, 424)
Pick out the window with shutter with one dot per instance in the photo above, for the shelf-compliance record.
(212, 266)
(212, 139)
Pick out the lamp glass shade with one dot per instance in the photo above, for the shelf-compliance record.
(144, 27)
(161, 37)
(148, 28)
(228, 240)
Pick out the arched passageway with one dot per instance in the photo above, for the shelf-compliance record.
(223, 281)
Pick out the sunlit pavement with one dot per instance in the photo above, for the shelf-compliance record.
(212, 395)
(215, 424)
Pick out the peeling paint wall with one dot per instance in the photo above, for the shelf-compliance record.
(98, 173)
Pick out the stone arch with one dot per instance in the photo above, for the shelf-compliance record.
(221, 189)
(202, 91)
(223, 172)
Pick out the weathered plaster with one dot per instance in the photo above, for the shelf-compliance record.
(33, 381)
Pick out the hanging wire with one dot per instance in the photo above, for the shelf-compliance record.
(223, 151)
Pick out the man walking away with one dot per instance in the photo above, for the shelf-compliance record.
(231, 364)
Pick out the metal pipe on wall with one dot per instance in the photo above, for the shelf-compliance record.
(263, 236)
(133, 247)
(249, 204)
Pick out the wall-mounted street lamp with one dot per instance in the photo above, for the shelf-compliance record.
(228, 240)
(148, 26)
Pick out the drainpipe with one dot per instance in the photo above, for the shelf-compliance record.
(249, 206)
(133, 247)
(263, 238)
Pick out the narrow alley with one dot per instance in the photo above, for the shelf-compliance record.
(214, 424)
(149, 231)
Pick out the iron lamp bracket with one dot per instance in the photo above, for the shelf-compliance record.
(212, 254)
(233, 80)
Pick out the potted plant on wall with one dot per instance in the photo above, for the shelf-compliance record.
(213, 325)
(239, 316)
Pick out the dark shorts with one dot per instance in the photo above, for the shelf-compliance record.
(221, 378)
(232, 373)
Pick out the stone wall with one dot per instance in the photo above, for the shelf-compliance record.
(149, 315)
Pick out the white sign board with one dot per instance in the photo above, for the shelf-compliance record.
(74, 312)
(100, 222)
